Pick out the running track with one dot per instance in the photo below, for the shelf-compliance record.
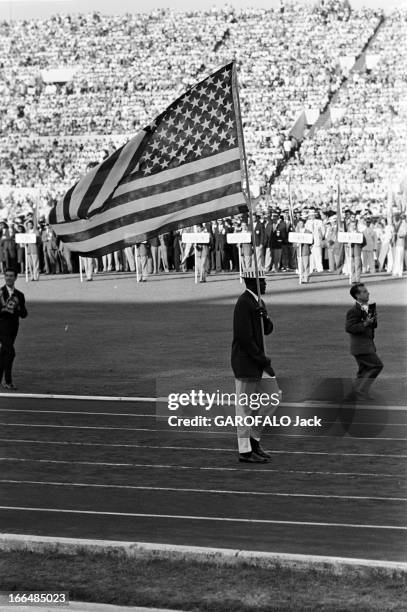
(110, 470)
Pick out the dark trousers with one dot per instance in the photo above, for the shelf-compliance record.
(370, 367)
(220, 260)
(7, 354)
(285, 256)
(276, 258)
(9, 259)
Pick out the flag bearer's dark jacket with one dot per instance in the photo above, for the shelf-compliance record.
(248, 357)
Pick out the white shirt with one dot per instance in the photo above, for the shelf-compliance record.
(364, 307)
(10, 291)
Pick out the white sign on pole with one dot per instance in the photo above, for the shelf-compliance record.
(300, 238)
(350, 237)
(239, 238)
(196, 238)
(26, 238)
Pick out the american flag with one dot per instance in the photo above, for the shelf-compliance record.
(183, 169)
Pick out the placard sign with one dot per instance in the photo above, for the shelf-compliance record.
(196, 238)
(239, 238)
(352, 237)
(300, 237)
(26, 238)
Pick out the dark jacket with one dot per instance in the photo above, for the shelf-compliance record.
(361, 337)
(8, 245)
(9, 322)
(286, 228)
(278, 231)
(248, 357)
(259, 234)
(220, 239)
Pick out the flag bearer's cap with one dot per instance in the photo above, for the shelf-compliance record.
(251, 273)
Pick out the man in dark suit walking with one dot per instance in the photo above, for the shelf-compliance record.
(12, 308)
(249, 361)
(361, 321)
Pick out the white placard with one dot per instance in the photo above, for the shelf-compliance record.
(353, 237)
(239, 238)
(58, 75)
(196, 238)
(26, 238)
(301, 238)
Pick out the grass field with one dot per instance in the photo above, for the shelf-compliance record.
(117, 337)
(200, 587)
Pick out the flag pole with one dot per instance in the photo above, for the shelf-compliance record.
(26, 262)
(240, 136)
(137, 262)
(195, 263)
(80, 268)
(290, 202)
(300, 266)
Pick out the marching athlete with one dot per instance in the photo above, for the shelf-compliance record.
(249, 361)
(361, 321)
(12, 308)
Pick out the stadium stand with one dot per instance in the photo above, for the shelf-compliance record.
(74, 88)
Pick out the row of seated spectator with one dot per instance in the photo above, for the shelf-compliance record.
(131, 67)
(365, 146)
(281, 69)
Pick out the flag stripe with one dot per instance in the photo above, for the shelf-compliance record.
(181, 184)
(65, 203)
(81, 196)
(136, 232)
(111, 176)
(150, 214)
(180, 171)
(166, 227)
(69, 211)
(98, 187)
(147, 203)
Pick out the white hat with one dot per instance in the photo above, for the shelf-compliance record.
(251, 273)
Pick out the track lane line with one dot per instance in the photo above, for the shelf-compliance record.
(211, 491)
(204, 518)
(191, 467)
(175, 430)
(164, 400)
(196, 448)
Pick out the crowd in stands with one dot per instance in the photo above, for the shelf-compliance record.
(366, 147)
(126, 69)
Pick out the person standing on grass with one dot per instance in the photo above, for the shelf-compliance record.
(361, 321)
(202, 254)
(400, 233)
(32, 253)
(246, 249)
(249, 361)
(142, 256)
(12, 308)
(305, 249)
